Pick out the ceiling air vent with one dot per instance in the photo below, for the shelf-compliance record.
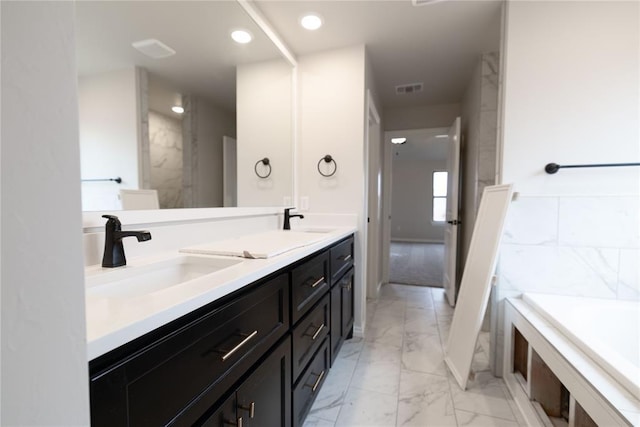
(425, 2)
(153, 48)
(409, 88)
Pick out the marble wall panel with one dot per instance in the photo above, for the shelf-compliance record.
(166, 152)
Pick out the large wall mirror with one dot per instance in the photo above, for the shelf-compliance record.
(233, 104)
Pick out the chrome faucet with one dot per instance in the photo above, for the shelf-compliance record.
(113, 248)
(288, 216)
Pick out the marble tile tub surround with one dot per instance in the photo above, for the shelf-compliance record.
(567, 245)
(395, 376)
(582, 246)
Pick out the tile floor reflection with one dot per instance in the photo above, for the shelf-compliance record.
(396, 375)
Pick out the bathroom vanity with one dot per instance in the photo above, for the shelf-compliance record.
(257, 353)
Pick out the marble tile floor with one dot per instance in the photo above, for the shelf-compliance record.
(396, 375)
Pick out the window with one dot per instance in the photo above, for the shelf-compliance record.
(439, 213)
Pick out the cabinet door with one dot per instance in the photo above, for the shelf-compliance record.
(225, 415)
(346, 287)
(264, 399)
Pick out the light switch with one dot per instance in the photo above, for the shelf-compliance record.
(304, 203)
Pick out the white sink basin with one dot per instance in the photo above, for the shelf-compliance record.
(127, 282)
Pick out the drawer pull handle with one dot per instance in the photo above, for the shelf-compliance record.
(251, 408)
(344, 257)
(315, 335)
(317, 282)
(317, 383)
(231, 423)
(243, 342)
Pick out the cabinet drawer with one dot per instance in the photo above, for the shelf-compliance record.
(309, 282)
(341, 258)
(309, 335)
(175, 380)
(308, 387)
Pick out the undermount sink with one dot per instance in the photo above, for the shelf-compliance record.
(313, 230)
(132, 281)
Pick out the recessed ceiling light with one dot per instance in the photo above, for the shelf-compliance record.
(241, 36)
(311, 21)
(177, 109)
(398, 140)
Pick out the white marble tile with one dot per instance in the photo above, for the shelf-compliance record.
(559, 270)
(629, 274)
(532, 221)
(485, 395)
(424, 400)
(419, 320)
(376, 351)
(312, 421)
(470, 419)
(423, 353)
(351, 349)
(386, 335)
(367, 408)
(377, 375)
(600, 222)
(329, 400)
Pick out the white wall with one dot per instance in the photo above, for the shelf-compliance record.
(332, 119)
(109, 135)
(571, 96)
(264, 100)
(423, 117)
(44, 362)
(412, 204)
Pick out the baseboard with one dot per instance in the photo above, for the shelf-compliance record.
(417, 241)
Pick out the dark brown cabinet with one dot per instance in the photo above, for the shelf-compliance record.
(174, 380)
(257, 357)
(263, 399)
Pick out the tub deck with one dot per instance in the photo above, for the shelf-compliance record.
(606, 399)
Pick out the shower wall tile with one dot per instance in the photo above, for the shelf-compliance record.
(600, 221)
(166, 149)
(532, 221)
(629, 274)
(588, 272)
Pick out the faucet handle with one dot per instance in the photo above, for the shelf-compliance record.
(113, 221)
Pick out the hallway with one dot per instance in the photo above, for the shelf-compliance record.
(396, 375)
(416, 263)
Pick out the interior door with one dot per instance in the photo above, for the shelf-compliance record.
(229, 172)
(451, 228)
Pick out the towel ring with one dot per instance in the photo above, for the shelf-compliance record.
(327, 159)
(266, 163)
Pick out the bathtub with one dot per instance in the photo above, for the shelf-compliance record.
(608, 331)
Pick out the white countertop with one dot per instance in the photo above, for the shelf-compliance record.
(114, 321)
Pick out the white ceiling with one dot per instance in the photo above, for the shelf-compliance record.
(437, 44)
(198, 30)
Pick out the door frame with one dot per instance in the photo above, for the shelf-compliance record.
(370, 243)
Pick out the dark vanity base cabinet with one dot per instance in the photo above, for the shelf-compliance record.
(257, 357)
(263, 399)
(178, 378)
